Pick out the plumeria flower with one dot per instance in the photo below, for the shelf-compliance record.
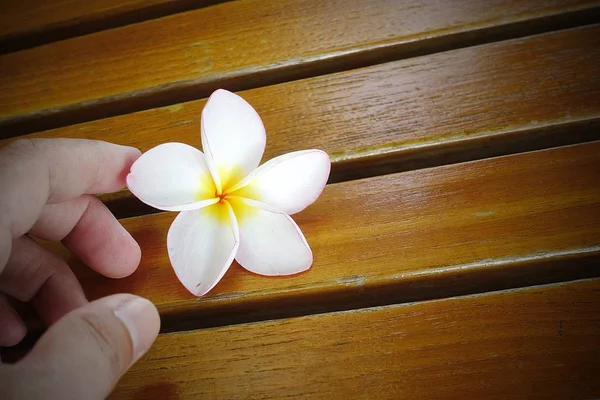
(229, 207)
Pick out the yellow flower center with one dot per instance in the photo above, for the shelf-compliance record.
(227, 197)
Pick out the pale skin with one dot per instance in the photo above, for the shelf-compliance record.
(46, 192)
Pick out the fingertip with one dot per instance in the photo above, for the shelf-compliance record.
(109, 335)
(102, 243)
(12, 334)
(142, 320)
(135, 255)
(129, 257)
(5, 247)
(121, 258)
(13, 329)
(131, 155)
(128, 150)
(135, 152)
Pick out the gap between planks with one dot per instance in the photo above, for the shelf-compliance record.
(497, 144)
(399, 238)
(385, 119)
(55, 29)
(288, 71)
(540, 342)
(353, 294)
(419, 236)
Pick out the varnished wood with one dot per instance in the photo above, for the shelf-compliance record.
(187, 55)
(466, 104)
(496, 223)
(538, 343)
(499, 223)
(25, 23)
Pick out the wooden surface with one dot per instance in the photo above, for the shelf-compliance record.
(187, 55)
(42, 21)
(455, 229)
(511, 96)
(538, 343)
(401, 94)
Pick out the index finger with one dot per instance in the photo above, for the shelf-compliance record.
(39, 171)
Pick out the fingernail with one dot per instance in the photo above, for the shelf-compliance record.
(141, 319)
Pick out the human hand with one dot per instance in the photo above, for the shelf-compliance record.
(46, 188)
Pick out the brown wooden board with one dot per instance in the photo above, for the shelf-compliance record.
(536, 343)
(245, 44)
(27, 23)
(466, 104)
(466, 228)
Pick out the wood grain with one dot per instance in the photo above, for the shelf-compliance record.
(538, 343)
(496, 223)
(26, 23)
(462, 105)
(187, 55)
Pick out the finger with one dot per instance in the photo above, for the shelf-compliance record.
(92, 232)
(84, 354)
(39, 171)
(33, 274)
(56, 221)
(12, 328)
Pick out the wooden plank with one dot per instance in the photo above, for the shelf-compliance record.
(537, 343)
(26, 23)
(505, 222)
(185, 56)
(509, 97)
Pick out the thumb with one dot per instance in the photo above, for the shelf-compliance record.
(85, 353)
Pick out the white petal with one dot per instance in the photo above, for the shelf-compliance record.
(233, 137)
(202, 245)
(270, 241)
(290, 182)
(172, 177)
